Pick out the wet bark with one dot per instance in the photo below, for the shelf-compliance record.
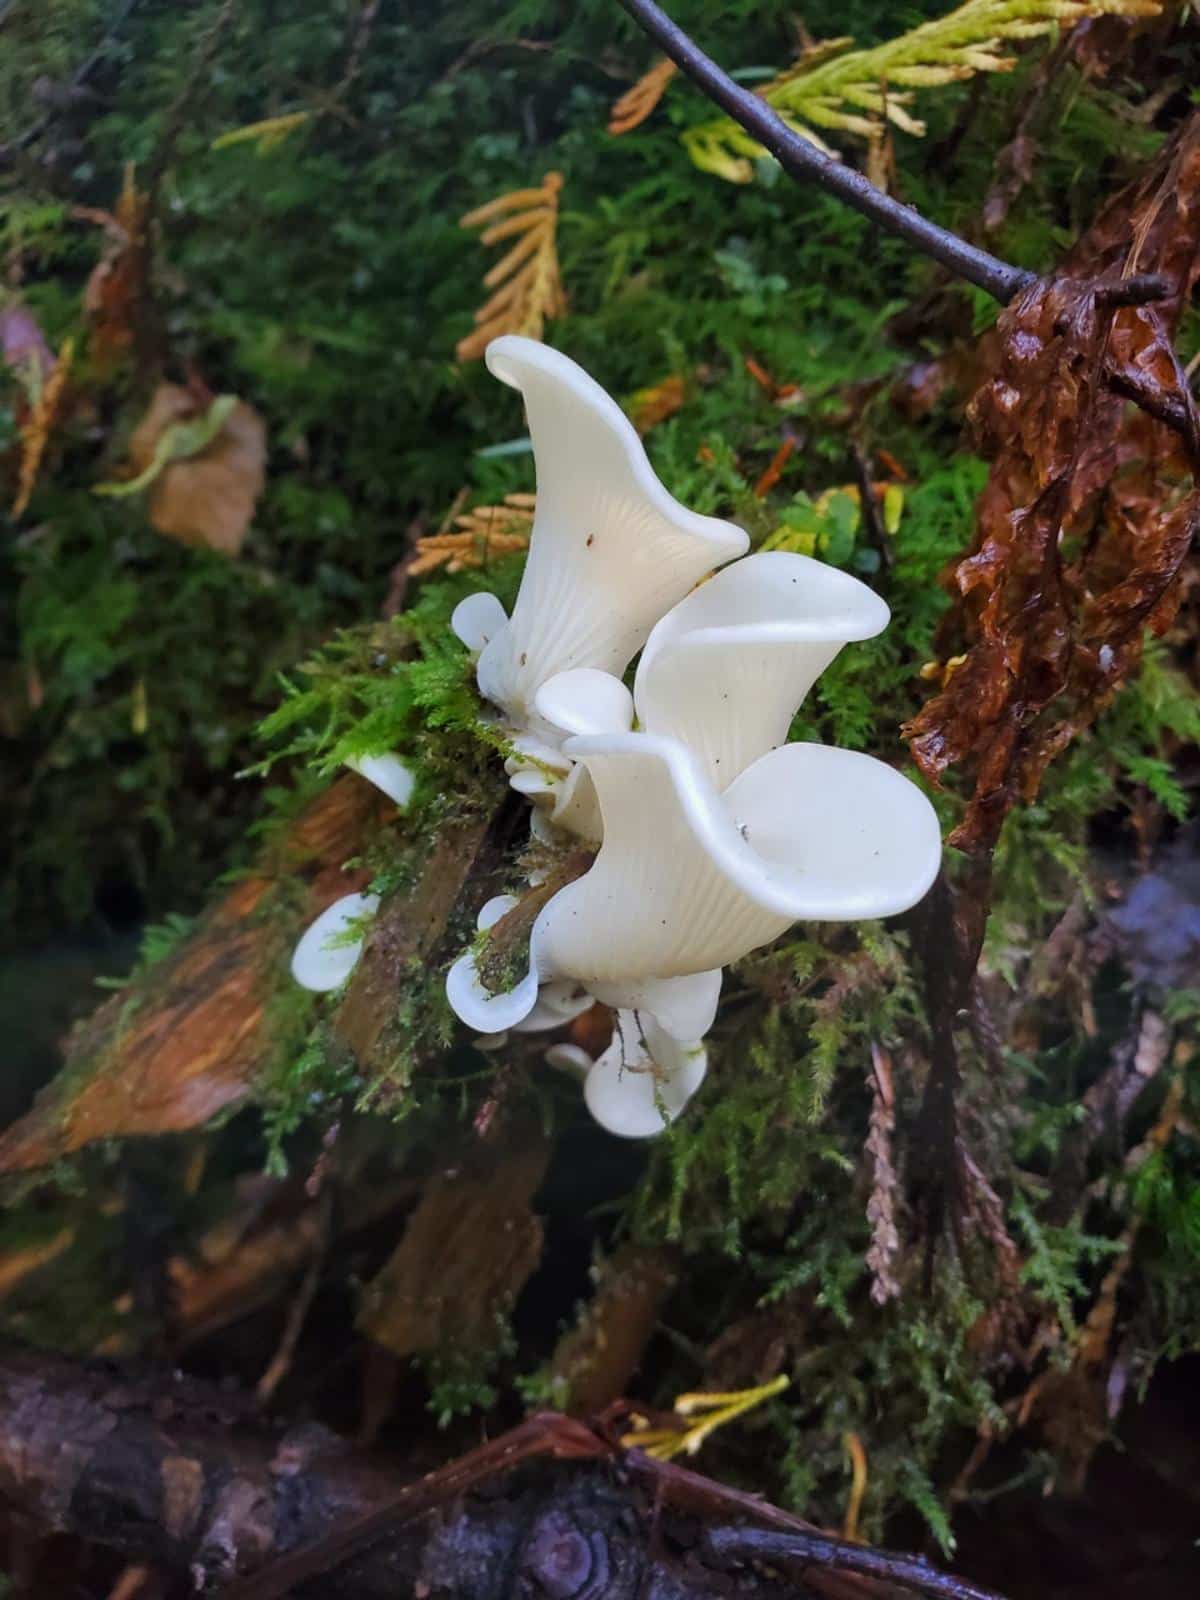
(194, 1481)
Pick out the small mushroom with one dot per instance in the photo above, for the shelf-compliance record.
(326, 955)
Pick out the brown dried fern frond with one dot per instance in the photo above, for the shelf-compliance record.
(883, 1255)
(477, 538)
(44, 414)
(527, 289)
(636, 104)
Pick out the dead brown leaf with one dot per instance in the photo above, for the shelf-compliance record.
(209, 498)
(1089, 509)
(118, 290)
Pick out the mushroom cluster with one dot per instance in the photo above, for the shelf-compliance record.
(712, 833)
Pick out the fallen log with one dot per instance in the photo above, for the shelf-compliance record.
(193, 1480)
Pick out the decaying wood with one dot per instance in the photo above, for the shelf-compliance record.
(184, 1041)
(244, 1262)
(468, 1250)
(181, 1474)
(1137, 1061)
(594, 1362)
(407, 933)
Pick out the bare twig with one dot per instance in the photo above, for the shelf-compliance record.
(542, 1435)
(818, 1549)
(131, 1582)
(206, 50)
(79, 80)
(359, 39)
(297, 1316)
(801, 159)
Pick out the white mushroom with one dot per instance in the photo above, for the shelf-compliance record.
(610, 550)
(641, 1082)
(325, 957)
(688, 880)
(727, 668)
(388, 773)
(714, 835)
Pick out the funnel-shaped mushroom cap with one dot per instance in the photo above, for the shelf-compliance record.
(610, 549)
(688, 880)
(727, 668)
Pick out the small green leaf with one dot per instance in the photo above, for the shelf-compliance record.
(177, 443)
(893, 507)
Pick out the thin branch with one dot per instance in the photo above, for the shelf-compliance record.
(79, 80)
(297, 1316)
(802, 160)
(1175, 412)
(816, 1549)
(206, 50)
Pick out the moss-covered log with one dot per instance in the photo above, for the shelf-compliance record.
(186, 1038)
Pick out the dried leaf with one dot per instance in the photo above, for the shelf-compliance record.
(636, 104)
(479, 536)
(1088, 511)
(203, 460)
(119, 285)
(881, 1207)
(527, 288)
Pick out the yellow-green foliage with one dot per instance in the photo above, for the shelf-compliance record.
(857, 91)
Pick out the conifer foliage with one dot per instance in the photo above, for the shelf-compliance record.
(838, 89)
(527, 289)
